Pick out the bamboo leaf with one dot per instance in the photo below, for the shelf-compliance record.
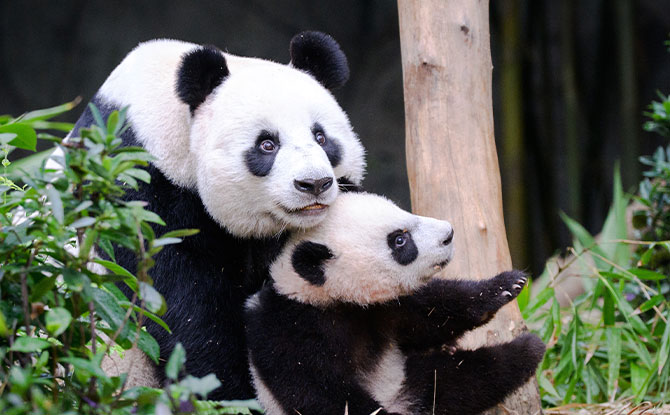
(614, 360)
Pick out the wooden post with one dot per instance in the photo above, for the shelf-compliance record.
(451, 155)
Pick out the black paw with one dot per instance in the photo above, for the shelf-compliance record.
(507, 285)
(529, 350)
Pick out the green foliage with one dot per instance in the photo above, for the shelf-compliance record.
(614, 340)
(61, 311)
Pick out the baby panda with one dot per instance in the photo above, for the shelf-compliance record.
(353, 322)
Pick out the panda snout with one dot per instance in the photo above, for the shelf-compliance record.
(313, 186)
(450, 237)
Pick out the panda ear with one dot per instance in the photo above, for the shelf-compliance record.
(308, 261)
(320, 55)
(201, 70)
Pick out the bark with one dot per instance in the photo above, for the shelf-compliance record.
(451, 156)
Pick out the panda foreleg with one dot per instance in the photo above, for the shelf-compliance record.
(443, 310)
(468, 382)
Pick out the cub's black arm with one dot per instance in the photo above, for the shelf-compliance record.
(443, 310)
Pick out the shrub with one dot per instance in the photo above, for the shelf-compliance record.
(61, 311)
(614, 340)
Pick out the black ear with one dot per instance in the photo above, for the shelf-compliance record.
(307, 260)
(320, 55)
(201, 70)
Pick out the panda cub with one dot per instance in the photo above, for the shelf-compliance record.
(353, 319)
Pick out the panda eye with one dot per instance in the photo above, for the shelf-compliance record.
(320, 138)
(400, 240)
(267, 146)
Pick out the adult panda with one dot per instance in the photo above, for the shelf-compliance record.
(354, 323)
(246, 150)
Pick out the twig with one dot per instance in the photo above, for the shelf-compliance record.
(24, 289)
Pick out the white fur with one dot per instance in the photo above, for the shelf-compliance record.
(270, 404)
(363, 270)
(386, 380)
(206, 151)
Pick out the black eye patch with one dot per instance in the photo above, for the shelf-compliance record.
(403, 248)
(331, 147)
(260, 161)
(307, 260)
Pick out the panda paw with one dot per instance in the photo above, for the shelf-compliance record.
(507, 285)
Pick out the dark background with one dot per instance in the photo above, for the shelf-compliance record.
(571, 80)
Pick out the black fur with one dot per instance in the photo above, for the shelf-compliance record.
(311, 358)
(320, 55)
(205, 281)
(331, 147)
(346, 185)
(259, 162)
(201, 70)
(308, 261)
(405, 254)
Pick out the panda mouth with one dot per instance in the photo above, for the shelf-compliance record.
(309, 210)
(440, 266)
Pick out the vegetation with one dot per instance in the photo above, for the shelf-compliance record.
(613, 341)
(61, 310)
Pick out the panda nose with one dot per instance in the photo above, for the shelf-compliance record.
(313, 186)
(449, 238)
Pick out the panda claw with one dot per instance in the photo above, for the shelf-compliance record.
(506, 293)
(516, 286)
(521, 281)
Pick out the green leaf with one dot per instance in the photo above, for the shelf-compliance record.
(56, 203)
(27, 165)
(524, 296)
(614, 360)
(83, 222)
(647, 274)
(637, 376)
(108, 308)
(652, 302)
(200, 386)
(4, 332)
(57, 320)
(139, 174)
(545, 384)
(29, 344)
(25, 136)
(180, 233)
(608, 309)
(117, 269)
(76, 281)
(538, 301)
(48, 113)
(112, 122)
(96, 115)
(153, 317)
(176, 362)
(149, 346)
(41, 288)
(89, 366)
(664, 350)
(165, 241)
(153, 301)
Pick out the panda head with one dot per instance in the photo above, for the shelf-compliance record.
(271, 145)
(367, 250)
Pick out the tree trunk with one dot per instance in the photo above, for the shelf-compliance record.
(451, 155)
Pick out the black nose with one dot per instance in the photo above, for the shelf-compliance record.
(449, 238)
(315, 187)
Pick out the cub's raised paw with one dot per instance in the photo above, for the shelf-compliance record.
(507, 285)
